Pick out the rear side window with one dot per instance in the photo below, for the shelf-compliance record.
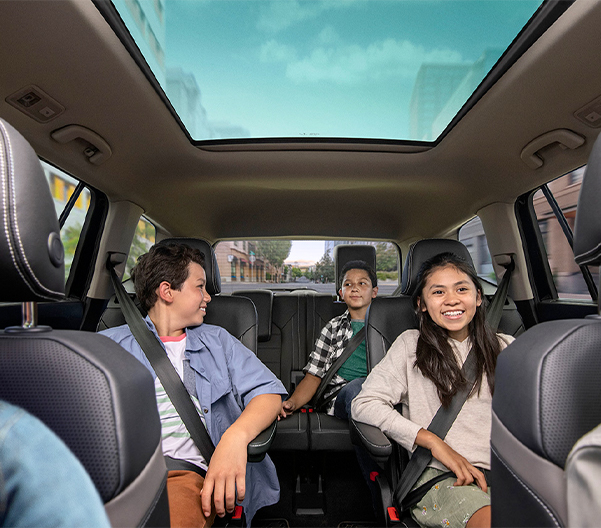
(295, 264)
(144, 238)
(473, 237)
(72, 201)
(555, 206)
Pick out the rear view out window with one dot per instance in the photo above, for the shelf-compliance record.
(294, 264)
(144, 238)
(62, 187)
(567, 275)
(472, 236)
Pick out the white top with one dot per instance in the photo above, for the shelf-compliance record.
(395, 380)
(177, 442)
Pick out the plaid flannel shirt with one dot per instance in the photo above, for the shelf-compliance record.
(329, 345)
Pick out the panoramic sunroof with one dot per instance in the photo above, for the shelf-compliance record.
(376, 69)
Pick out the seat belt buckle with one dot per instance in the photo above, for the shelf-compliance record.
(238, 511)
(393, 514)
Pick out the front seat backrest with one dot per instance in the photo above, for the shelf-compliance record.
(95, 396)
(547, 395)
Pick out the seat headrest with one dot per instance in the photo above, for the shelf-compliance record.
(31, 252)
(263, 301)
(423, 250)
(211, 267)
(587, 229)
(346, 253)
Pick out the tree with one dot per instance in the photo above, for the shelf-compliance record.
(296, 273)
(324, 269)
(274, 251)
(70, 238)
(386, 257)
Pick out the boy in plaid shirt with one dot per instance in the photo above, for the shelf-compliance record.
(359, 286)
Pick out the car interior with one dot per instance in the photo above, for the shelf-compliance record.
(236, 127)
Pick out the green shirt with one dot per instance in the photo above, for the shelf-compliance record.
(356, 365)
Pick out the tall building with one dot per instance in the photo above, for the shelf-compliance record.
(146, 21)
(185, 96)
(434, 85)
(440, 90)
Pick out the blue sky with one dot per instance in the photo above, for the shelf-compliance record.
(327, 68)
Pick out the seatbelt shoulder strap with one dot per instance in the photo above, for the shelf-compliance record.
(440, 425)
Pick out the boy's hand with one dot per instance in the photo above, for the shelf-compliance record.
(227, 471)
(288, 407)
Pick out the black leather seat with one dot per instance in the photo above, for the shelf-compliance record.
(329, 433)
(547, 395)
(98, 399)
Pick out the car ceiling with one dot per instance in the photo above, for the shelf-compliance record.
(302, 189)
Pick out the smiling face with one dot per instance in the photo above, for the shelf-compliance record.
(190, 301)
(357, 292)
(450, 298)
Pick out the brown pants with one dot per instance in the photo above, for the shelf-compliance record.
(183, 489)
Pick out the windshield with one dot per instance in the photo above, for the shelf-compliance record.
(378, 69)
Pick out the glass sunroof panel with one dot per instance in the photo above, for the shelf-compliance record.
(379, 69)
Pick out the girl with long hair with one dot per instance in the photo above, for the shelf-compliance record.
(422, 371)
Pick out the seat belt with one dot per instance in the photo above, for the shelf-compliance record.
(495, 308)
(444, 418)
(172, 383)
(350, 347)
(440, 425)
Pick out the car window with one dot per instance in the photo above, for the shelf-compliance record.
(73, 208)
(472, 235)
(294, 264)
(144, 238)
(555, 208)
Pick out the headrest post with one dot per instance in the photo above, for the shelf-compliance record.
(29, 320)
(29, 313)
(599, 296)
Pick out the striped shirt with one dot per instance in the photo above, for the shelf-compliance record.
(177, 442)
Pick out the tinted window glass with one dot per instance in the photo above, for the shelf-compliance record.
(568, 277)
(62, 187)
(472, 235)
(293, 264)
(144, 238)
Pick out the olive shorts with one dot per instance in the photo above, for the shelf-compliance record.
(447, 505)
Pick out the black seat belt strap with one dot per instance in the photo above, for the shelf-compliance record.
(350, 347)
(163, 368)
(495, 308)
(440, 425)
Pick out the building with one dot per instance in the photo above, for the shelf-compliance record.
(440, 90)
(434, 85)
(244, 264)
(148, 19)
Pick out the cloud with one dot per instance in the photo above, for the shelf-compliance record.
(351, 64)
(281, 14)
(273, 51)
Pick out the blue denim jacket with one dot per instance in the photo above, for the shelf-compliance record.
(41, 481)
(228, 376)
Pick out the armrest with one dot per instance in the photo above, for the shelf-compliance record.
(371, 438)
(258, 447)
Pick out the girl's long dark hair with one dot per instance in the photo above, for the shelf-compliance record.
(434, 356)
